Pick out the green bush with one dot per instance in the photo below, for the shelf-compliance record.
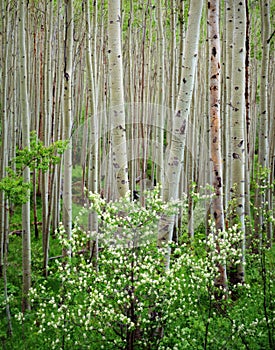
(127, 300)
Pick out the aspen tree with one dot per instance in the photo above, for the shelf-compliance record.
(4, 156)
(254, 81)
(58, 130)
(93, 157)
(182, 35)
(25, 120)
(181, 117)
(173, 67)
(190, 165)
(4, 126)
(68, 119)
(227, 81)
(159, 130)
(264, 121)
(116, 106)
(263, 157)
(46, 128)
(271, 103)
(35, 105)
(247, 118)
(215, 127)
(184, 98)
(238, 141)
(129, 97)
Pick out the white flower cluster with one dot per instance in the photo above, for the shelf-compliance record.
(130, 294)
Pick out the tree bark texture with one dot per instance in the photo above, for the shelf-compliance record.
(116, 106)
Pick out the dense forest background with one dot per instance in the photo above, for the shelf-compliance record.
(137, 174)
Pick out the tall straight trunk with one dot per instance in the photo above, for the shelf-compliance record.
(247, 119)
(46, 130)
(215, 128)
(264, 120)
(4, 125)
(58, 128)
(229, 24)
(93, 156)
(25, 120)
(263, 157)
(238, 141)
(159, 130)
(4, 158)
(37, 110)
(270, 232)
(68, 120)
(116, 106)
(181, 119)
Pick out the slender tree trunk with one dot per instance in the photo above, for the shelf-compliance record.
(68, 120)
(93, 122)
(229, 25)
(47, 130)
(261, 196)
(180, 123)
(116, 107)
(238, 151)
(25, 120)
(4, 125)
(215, 129)
(4, 158)
(181, 118)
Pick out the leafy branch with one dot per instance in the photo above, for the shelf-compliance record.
(36, 156)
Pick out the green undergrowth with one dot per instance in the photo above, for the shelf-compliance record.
(126, 299)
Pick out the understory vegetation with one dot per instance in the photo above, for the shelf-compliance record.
(122, 297)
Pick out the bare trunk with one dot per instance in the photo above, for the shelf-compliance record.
(68, 120)
(181, 118)
(116, 107)
(215, 129)
(25, 119)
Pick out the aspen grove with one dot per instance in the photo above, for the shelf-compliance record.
(137, 174)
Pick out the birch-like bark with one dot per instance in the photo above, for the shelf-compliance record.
(238, 142)
(263, 157)
(215, 128)
(271, 102)
(181, 118)
(264, 120)
(68, 120)
(215, 118)
(58, 129)
(4, 125)
(25, 120)
(116, 106)
(93, 157)
(159, 130)
(247, 119)
(4, 157)
(229, 24)
(46, 131)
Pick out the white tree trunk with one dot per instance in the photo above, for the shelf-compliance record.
(116, 107)
(68, 120)
(215, 128)
(181, 118)
(25, 120)
(238, 141)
